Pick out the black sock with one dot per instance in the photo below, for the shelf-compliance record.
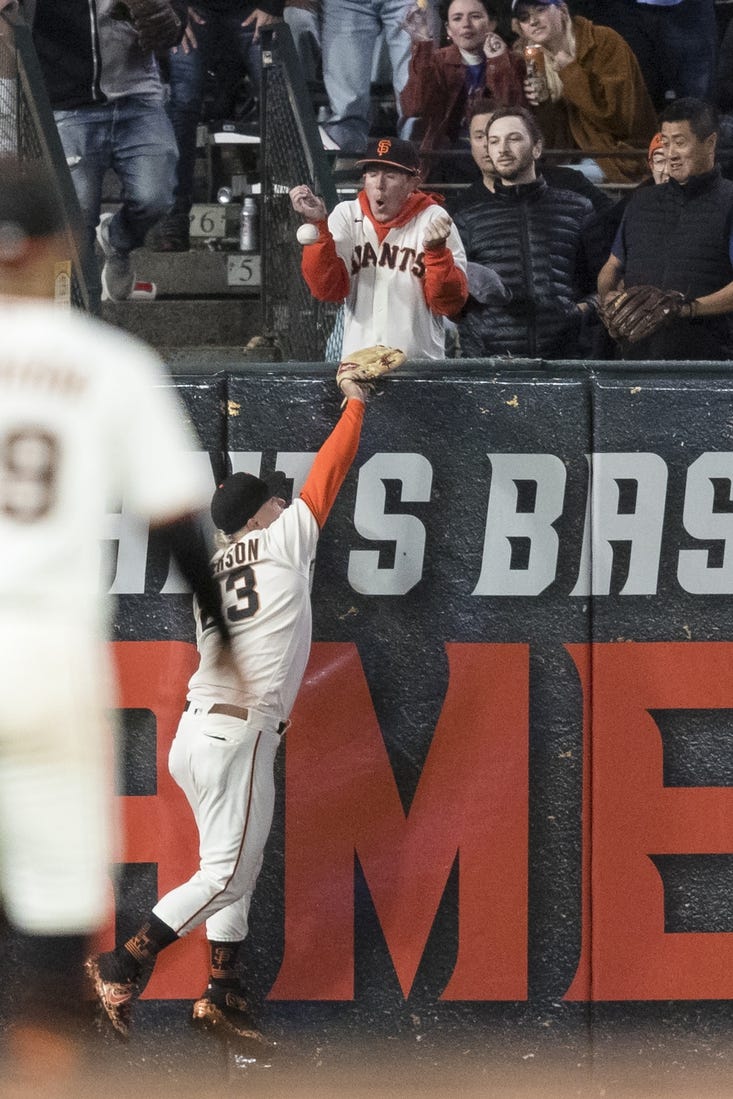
(139, 952)
(223, 970)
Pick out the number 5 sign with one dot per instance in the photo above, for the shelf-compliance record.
(243, 270)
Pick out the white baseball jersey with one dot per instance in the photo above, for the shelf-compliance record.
(85, 419)
(224, 762)
(386, 301)
(265, 580)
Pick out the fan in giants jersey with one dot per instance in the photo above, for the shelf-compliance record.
(86, 417)
(224, 749)
(393, 256)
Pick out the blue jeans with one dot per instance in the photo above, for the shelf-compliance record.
(224, 47)
(305, 27)
(689, 33)
(133, 137)
(676, 46)
(350, 30)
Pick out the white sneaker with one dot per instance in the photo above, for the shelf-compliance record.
(118, 274)
(328, 143)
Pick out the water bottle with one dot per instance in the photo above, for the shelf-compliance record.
(249, 225)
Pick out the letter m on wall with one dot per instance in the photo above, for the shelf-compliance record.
(470, 805)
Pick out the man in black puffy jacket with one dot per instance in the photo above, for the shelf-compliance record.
(527, 234)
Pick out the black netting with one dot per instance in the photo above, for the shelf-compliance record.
(307, 330)
(27, 129)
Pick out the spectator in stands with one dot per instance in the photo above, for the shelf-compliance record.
(222, 36)
(593, 96)
(350, 31)
(674, 41)
(723, 98)
(444, 83)
(657, 159)
(303, 17)
(556, 175)
(101, 74)
(724, 76)
(527, 236)
(678, 236)
(392, 256)
(600, 233)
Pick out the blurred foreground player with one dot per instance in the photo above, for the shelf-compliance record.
(85, 417)
(224, 750)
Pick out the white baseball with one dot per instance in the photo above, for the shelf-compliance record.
(307, 233)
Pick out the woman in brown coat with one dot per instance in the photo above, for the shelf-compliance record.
(593, 97)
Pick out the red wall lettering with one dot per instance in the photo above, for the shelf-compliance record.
(471, 802)
(629, 956)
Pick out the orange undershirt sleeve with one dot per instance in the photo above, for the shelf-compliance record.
(445, 287)
(323, 269)
(333, 461)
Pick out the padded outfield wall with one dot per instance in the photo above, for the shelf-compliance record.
(505, 798)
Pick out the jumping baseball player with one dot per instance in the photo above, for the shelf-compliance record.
(392, 255)
(224, 749)
(85, 418)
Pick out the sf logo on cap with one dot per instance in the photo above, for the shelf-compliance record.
(383, 147)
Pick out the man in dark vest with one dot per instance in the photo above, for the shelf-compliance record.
(678, 236)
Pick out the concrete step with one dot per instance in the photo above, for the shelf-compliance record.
(208, 296)
(170, 323)
(200, 273)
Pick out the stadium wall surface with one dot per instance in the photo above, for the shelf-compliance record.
(505, 796)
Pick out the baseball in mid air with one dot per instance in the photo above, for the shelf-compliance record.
(307, 233)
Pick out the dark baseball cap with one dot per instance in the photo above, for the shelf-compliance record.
(238, 498)
(516, 4)
(393, 152)
(29, 205)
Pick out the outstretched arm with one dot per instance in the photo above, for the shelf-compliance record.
(333, 460)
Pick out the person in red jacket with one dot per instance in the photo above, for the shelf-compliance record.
(444, 83)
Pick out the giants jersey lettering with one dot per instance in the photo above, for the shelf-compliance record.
(390, 255)
(265, 583)
(386, 302)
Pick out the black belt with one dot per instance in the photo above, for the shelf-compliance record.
(232, 711)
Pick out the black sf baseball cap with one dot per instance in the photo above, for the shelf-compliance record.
(393, 152)
(30, 208)
(238, 498)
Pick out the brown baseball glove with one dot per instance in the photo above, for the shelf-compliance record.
(157, 25)
(365, 366)
(640, 311)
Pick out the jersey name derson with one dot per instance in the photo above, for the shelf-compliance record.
(265, 581)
